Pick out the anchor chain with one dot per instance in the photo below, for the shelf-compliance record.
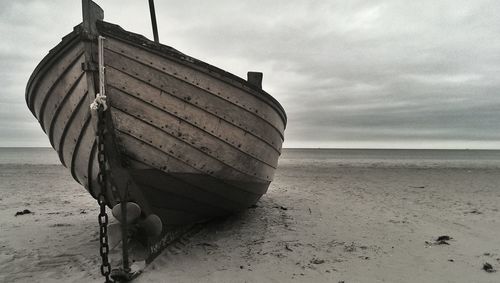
(101, 198)
(99, 106)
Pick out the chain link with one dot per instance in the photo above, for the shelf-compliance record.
(101, 198)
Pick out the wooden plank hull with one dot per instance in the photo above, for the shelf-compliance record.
(198, 141)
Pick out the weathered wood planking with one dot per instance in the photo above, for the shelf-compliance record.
(65, 113)
(120, 68)
(59, 103)
(47, 64)
(199, 139)
(51, 77)
(63, 89)
(194, 114)
(169, 144)
(201, 80)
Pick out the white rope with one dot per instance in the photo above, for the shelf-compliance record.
(100, 100)
(100, 46)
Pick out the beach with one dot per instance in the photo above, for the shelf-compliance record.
(324, 219)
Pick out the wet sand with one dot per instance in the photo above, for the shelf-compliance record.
(319, 222)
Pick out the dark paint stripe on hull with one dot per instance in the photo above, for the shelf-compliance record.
(148, 149)
(178, 217)
(196, 186)
(171, 200)
(234, 191)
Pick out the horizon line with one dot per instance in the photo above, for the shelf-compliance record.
(334, 148)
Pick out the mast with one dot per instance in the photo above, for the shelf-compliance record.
(153, 20)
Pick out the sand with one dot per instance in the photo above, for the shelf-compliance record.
(319, 222)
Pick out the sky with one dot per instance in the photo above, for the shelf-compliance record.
(349, 74)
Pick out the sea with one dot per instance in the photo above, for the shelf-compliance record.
(336, 157)
(412, 158)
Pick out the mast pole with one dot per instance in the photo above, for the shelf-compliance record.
(153, 20)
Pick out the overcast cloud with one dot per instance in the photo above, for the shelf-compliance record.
(410, 74)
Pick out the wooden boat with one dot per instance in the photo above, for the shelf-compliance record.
(196, 141)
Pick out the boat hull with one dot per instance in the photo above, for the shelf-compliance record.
(198, 142)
